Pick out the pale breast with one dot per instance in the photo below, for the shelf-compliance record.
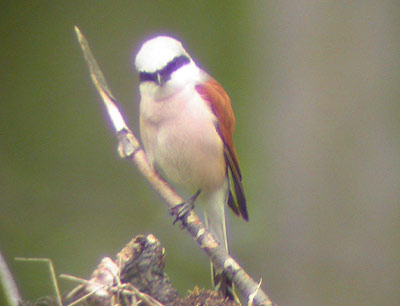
(179, 136)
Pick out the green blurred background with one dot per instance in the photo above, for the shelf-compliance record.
(315, 89)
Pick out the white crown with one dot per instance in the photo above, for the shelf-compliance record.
(157, 52)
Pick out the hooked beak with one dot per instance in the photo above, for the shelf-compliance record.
(159, 79)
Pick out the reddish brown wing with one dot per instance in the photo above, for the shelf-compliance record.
(220, 104)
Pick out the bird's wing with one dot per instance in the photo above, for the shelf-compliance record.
(212, 92)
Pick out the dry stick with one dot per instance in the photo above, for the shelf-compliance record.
(129, 147)
(49, 263)
(7, 283)
(128, 290)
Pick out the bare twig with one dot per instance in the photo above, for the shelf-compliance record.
(52, 273)
(10, 288)
(85, 282)
(129, 148)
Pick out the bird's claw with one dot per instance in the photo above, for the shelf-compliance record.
(181, 210)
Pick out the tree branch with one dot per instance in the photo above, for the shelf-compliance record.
(8, 284)
(129, 148)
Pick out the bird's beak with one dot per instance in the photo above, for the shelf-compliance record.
(159, 79)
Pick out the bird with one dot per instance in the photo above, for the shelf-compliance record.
(186, 126)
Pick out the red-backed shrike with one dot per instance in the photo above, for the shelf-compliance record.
(186, 125)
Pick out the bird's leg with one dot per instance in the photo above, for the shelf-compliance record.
(182, 209)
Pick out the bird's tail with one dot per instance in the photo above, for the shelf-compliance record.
(214, 214)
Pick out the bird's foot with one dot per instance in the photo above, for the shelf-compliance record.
(181, 210)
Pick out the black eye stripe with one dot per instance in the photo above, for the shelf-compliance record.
(175, 64)
(166, 72)
(145, 76)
